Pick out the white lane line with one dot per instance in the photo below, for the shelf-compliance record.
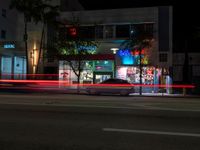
(152, 132)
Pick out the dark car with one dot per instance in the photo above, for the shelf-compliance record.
(112, 86)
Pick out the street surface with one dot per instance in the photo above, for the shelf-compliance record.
(84, 122)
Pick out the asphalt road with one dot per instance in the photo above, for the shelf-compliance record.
(47, 122)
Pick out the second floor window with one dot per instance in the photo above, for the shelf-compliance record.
(163, 57)
(122, 31)
(87, 32)
(99, 32)
(3, 13)
(3, 34)
(109, 31)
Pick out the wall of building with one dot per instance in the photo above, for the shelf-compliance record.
(187, 73)
(69, 5)
(162, 31)
(155, 70)
(165, 34)
(9, 21)
(135, 15)
(193, 64)
(12, 59)
(13, 25)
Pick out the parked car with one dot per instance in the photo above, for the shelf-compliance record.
(112, 86)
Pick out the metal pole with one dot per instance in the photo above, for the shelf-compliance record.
(140, 71)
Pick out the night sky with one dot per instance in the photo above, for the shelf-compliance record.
(185, 13)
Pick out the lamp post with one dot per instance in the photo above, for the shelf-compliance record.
(114, 50)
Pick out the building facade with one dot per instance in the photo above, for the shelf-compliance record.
(186, 69)
(12, 46)
(111, 28)
(12, 60)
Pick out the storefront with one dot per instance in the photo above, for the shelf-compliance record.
(19, 67)
(123, 65)
(13, 67)
(128, 67)
(6, 67)
(151, 78)
(95, 69)
(12, 61)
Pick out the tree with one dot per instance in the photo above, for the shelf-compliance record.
(27, 8)
(75, 52)
(75, 48)
(47, 15)
(36, 10)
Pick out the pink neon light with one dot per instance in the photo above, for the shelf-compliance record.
(64, 83)
(137, 52)
(29, 75)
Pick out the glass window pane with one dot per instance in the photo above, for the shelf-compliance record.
(109, 31)
(99, 32)
(87, 32)
(122, 31)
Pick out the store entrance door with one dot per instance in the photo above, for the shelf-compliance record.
(101, 76)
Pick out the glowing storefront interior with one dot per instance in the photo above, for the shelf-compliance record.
(128, 68)
(98, 71)
(94, 71)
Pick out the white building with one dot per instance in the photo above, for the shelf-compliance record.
(12, 47)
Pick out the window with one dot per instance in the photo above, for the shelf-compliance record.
(63, 33)
(148, 28)
(133, 31)
(122, 31)
(142, 30)
(3, 34)
(163, 57)
(87, 32)
(109, 31)
(3, 13)
(99, 32)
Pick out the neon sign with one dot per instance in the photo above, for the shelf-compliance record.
(126, 57)
(88, 48)
(73, 31)
(137, 52)
(130, 57)
(9, 46)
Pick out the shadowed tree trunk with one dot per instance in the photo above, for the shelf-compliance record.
(40, 49)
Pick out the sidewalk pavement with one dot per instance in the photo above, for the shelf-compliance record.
(83, 91)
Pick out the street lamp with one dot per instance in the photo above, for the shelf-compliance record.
(114, 50)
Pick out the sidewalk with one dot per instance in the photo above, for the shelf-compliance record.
(166, 95)
(83, 91)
